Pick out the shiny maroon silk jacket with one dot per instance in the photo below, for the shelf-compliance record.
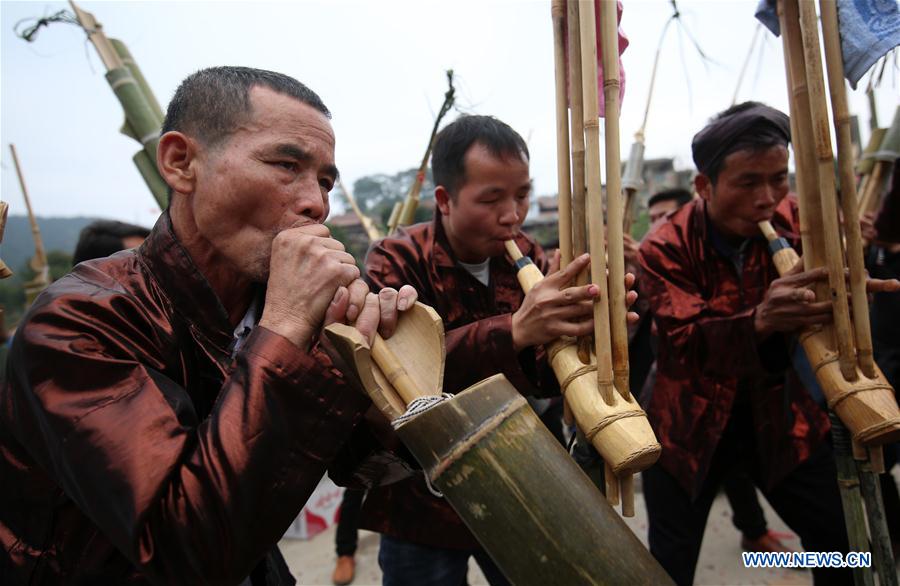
(135, 449)
(709, 359)
(478, 326)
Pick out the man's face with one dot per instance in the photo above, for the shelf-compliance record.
(750, 186)
(272, 173)
(489, 207)
(661, 209)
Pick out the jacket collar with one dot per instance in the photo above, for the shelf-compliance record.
(191, 295)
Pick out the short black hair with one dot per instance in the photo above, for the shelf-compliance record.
(752, 126)
(451, 144)
(212, 102)
(678, 195)
(103, 238)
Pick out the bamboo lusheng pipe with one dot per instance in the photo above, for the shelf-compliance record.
(408, 213)
(367, 223)
(834, 255)
(841, 115)
(620, 432)
(866, 405)
(576, 99)
(563, 178)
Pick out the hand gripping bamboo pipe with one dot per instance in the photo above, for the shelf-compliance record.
(618, 430)
(840, 353)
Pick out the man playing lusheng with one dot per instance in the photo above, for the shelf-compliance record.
(151, 430)
(725, 394)
(458, 265)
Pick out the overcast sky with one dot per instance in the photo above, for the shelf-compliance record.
(379, 66)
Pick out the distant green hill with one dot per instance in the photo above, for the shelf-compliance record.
(57, 233)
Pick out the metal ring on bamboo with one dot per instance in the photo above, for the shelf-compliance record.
(610, 419)
(586, 369)
(857, 389)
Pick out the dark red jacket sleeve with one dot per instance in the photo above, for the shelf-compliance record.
(186, 501)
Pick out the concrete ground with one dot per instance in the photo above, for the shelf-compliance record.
(720, 558)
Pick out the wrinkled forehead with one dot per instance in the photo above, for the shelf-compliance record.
(769, 160)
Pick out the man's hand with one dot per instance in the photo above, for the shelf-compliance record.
(306, 271)
(553, 309)
(790, 305)
(370, 312)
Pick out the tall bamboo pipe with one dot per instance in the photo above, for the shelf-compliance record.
(576, 97)
(367, 223)
(602, 341)
(809, 30)
(39, 260)
(563, 178)
(614, 203)
(849, 205)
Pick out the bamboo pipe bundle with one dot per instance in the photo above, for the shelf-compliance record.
(866, 404)
(832, 350)
(635, 447)
(620, 431)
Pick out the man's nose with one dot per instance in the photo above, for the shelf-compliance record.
(313, 203)
(510, 214)
(766, 197)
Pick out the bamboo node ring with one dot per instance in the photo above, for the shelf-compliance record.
(586, 369)
(557, 348)
(609, 420)
(832, 403)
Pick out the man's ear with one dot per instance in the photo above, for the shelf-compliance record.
(442, 198)
(175, 156)
(703, 186)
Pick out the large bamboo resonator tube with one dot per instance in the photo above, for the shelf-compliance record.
(495, 463)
